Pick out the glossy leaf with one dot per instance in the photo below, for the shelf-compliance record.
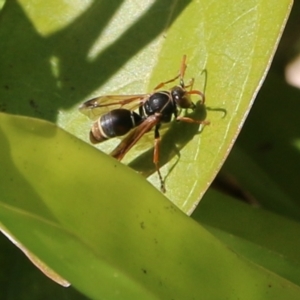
(115, 53)
(273, 154)
(265, 238)
(137, 247)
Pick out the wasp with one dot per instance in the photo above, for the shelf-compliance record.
(136, 115)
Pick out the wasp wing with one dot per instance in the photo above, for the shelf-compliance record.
(95, 107)
(134, 136)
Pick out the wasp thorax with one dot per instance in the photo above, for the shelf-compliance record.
(160, 103)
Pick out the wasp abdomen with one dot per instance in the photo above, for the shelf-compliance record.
(117, 122)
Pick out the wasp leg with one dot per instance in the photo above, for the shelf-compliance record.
(180, 75)
(196, 92)
(159, 86)
(156, 157)
(190, 120)
(190, 84)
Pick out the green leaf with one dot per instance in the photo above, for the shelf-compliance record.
(269, 148)
(89, 48)
(32, 285)
(139, 246)
(265, 238)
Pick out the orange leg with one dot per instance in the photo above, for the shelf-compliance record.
(156, 158)
(166, 82)
(197, 92)
(191, 84)
(183, 66)
(190, 120)
(180, 75)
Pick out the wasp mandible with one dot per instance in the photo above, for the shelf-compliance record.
(138, 114)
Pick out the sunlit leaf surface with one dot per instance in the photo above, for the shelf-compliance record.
(139, 246)
(89, 48)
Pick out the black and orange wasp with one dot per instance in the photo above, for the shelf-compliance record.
(138, 114)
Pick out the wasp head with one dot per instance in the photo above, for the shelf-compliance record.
(182, 98)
